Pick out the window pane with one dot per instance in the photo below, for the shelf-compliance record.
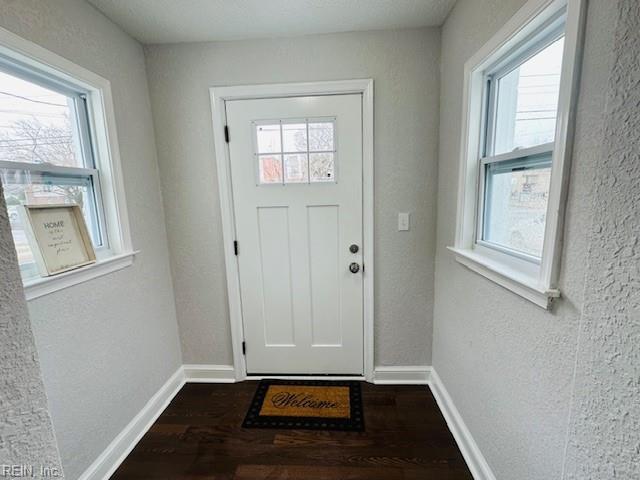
(294, 137)
(516, 196)
(22, 187)
(270, 168)
(321, 166)
(296, 168)
(527, 101)
(321, 137)
(268, 138)
(37, 125)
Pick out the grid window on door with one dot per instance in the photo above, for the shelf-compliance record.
(295, 151)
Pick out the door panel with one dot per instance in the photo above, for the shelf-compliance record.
(275, 263)
(296, 168)
(324, 246)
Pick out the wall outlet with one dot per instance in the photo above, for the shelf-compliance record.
(403, 222)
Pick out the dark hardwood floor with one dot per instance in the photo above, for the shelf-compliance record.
(199, 436)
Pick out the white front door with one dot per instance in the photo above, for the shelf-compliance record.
(296, 168)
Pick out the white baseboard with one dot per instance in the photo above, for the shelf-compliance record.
(106, 464)
(121, 446)
(115, 453)
(470, 451)
(209, 373)
(403, 375)
(358, 378)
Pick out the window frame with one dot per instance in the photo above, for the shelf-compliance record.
(534, 27)
(27, 60)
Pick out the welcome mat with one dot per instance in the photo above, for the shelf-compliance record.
(306, 405)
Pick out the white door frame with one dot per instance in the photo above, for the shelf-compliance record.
(219, 95)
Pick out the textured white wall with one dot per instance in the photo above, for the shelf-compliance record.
(26, 432)
(508, 364)
(605, 428)
(107, 345)
(404, 66)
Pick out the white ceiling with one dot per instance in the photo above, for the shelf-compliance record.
(171, 21)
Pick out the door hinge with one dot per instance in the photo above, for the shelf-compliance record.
(244, 348)
(235, 247)
(226, 133)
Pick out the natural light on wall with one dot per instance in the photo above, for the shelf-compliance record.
(519, 92)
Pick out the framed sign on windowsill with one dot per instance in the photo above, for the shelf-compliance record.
(58, 237)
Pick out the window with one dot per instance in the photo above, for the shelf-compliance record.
(295, 151)
(45, 157)
(521, 108)
(516, 140)
(58, 146)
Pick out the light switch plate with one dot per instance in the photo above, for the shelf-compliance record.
(403, 222)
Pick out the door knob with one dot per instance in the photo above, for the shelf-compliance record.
(354, 267)
(354, 248)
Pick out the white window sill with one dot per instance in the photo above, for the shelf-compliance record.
(40, 287)
(526, 286)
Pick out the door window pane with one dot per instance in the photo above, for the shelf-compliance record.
(527, 101)
(516, 196)
(294, 137)
(37, 125)
(321, 167)
(270, 168)
(321, 137)
(296, 168)
(268, 138)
